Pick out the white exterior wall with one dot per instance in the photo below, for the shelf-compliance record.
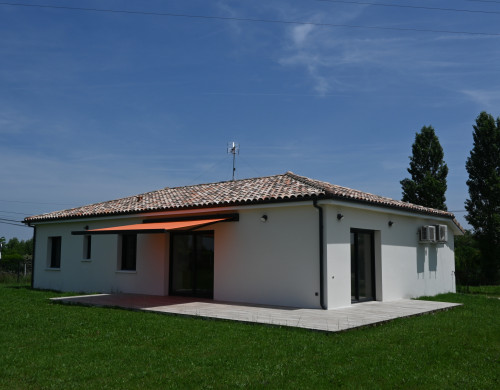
(101, 273)
(274, 262)
(403, 267)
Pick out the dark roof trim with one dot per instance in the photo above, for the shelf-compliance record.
(88, 233)
(156, 227)
(185, 208)
(234, 217)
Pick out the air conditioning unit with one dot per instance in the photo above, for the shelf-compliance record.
(427, 234)
(441, 233)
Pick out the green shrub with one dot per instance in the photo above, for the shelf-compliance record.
(11, 263)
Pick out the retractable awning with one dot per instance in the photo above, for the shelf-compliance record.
(154, 227)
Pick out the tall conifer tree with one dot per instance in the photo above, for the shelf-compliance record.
(483, 205)
(427, 186)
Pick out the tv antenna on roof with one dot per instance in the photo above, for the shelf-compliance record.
(234, 149)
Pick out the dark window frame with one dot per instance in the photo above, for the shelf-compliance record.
(55, 243)
(128, 258)
(87, 247)
(372, 265)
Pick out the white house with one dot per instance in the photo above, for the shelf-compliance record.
(279, 240)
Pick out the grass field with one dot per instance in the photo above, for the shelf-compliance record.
(51, 346)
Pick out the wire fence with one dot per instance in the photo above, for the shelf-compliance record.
(15, 268)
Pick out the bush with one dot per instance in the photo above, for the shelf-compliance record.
(11, 263)
(467, 260)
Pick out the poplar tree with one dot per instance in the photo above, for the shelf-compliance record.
(483, 205)
(427, 185)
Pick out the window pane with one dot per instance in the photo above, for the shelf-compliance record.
(55, 252)
(87, 246)
(129, 250)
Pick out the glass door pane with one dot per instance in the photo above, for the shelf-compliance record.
(192, 264)
(354, 287)
(182, 264)
(362, 266)
(204, 282)
(365, 290)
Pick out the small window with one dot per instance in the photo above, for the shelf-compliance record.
(87, 247)
(55, 252)
(129, 251)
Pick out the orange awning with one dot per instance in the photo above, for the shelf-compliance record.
(154, 227)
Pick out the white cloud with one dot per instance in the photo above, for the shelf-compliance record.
(485, 98)
(336, 63)
(341, 59)
(301, 33)
(303, 53)
(230, 12)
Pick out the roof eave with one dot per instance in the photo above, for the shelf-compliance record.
(30, 220)
(437, 213)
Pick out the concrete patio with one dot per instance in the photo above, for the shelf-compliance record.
(361, 314)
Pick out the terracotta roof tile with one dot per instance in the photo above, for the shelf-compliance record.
(278, 188)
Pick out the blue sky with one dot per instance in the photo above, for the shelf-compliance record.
(100, 105)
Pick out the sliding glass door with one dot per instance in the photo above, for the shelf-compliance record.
(192, 264)
(362, 265)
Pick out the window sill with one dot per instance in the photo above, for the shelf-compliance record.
(52, 269)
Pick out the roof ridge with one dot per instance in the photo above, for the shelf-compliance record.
(217, 182)
(372, 194)
(309, 182)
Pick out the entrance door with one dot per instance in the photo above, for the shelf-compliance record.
(192, 264)
(362, 266)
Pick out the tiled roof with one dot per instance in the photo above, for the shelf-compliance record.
(278, 188)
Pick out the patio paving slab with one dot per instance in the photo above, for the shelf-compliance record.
(335, 320)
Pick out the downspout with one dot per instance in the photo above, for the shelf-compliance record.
(33, 256)
(321, 256)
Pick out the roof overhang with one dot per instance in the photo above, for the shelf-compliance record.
(155, 227)
(444, 217)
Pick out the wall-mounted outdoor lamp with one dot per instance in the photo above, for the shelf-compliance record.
(390, 223)
(263, 218)
(340, 216)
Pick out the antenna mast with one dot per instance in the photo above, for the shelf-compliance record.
(233, 148)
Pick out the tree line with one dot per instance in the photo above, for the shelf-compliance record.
(477, 252)
(16, 255)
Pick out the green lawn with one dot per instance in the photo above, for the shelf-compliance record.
(51, 346)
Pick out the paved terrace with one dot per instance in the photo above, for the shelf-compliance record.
(361, 314)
